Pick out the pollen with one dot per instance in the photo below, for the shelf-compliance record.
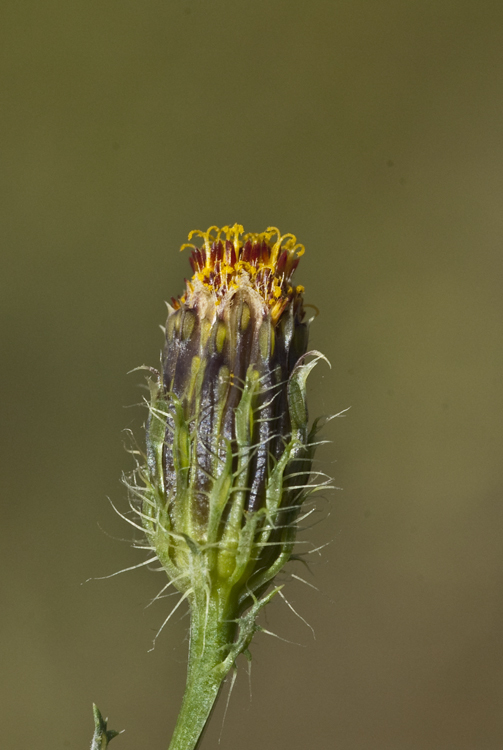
(229, 257)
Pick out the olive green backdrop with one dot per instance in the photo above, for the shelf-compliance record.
(373, 131)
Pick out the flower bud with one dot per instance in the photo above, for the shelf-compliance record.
(228, 451)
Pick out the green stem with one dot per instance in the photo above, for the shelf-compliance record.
(211, 637)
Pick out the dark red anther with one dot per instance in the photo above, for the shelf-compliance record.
(230, 253)
(219, 251)
(280, 266)
(246, 251)
(199, 259)
(256, 252)
(217, 281)
(266, 252)
(192, 262)
(295, 262)
(203, 256)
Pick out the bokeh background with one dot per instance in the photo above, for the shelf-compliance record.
(374, 132)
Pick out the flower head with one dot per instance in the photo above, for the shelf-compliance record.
(221, 267)
(228, 461)
(227, 443)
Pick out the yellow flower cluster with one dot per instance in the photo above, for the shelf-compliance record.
(229, 257)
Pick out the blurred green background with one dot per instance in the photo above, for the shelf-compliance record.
(374, 132)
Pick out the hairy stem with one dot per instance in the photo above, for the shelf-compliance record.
(211, 636)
